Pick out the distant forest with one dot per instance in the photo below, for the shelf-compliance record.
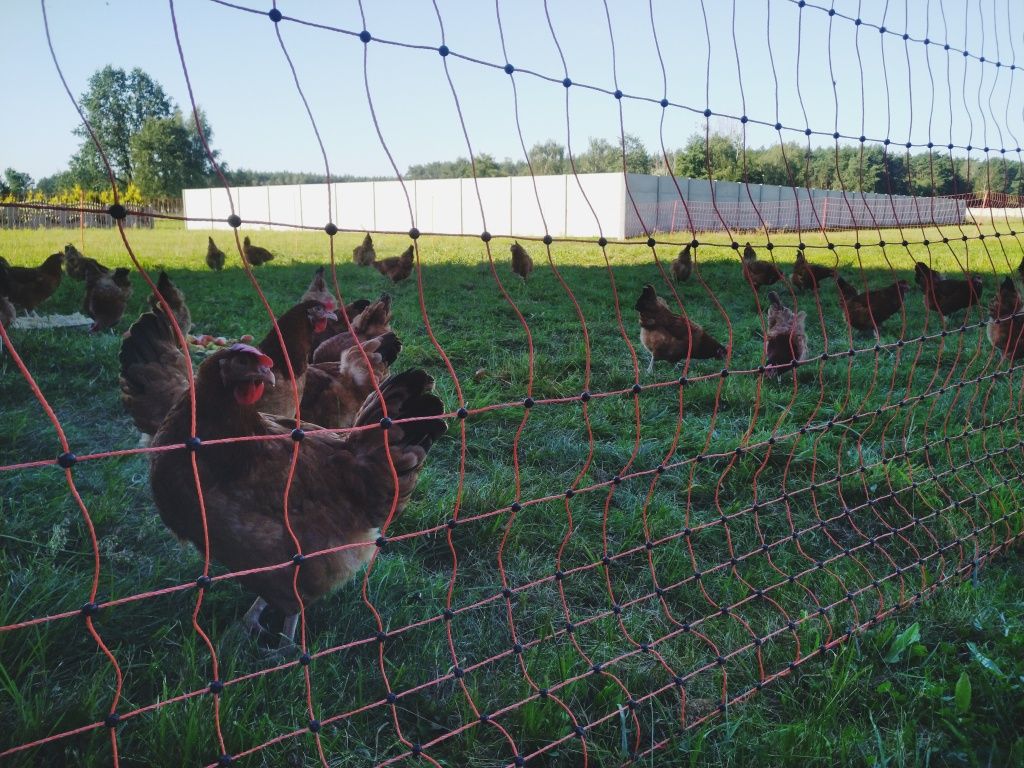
(871, 169)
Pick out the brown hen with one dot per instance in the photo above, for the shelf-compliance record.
(341, 492)
(297, 325)
(7, 311)
(522, 263)
(866, 311)
(175, 302)
(1006, 329)
(396, 268)
(925, 275)
(946, 296)
(363, 255)
(77, 266)
(106, 297)
(372, 322)
(786, 336)
(334, 392)
(682, 266)
(154, 373)
(807, 276)
(317, 290)
(254, 254)
(334, 327)
(758, 273)
(214, 256)
(671, 337)
(28, 287)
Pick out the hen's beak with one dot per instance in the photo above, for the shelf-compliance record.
(264, 374)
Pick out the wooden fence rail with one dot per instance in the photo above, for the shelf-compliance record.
(73, 216)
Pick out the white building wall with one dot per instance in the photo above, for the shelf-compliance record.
(439, 205)
(254, 203)
(529, 215)
(220, 206)
(552, 192)
(564, 206)
(391, 206)
(354, 203)
(315, 205)
(595, 205)
(491, 196)
(195, 204)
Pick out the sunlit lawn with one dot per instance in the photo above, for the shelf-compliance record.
(876, 701)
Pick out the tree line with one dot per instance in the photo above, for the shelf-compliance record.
(724, 157)
(155, 150)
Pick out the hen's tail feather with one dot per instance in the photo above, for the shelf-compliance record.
(388, 347)
(408, 395)
(381, 353)
(145, 341)
(152, 371)
(847, 290)
(356, 307)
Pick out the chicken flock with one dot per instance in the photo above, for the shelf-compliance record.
(345, 485)
(365, 431)
(672, 337)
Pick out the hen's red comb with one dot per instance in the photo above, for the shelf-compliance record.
(250, 350)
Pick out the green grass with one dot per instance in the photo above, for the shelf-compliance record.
(864, 704)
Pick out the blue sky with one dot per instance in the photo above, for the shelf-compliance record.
(242, 80)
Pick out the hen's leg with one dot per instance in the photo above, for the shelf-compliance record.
(650, 363)
(251, 620)
(288, 628)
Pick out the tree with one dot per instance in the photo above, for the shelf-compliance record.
(862, 169)
(168, 155)
(15, 184)
(781, 165)
(894, 175)
(548, 158)
(638, 159)
(601, 156)
(721, 152)
(245, 177)
(459, 168)
(117, 105)
(823, 173)
(486, 165)
(53, 185)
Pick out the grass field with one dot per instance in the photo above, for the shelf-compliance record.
(894, 695)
